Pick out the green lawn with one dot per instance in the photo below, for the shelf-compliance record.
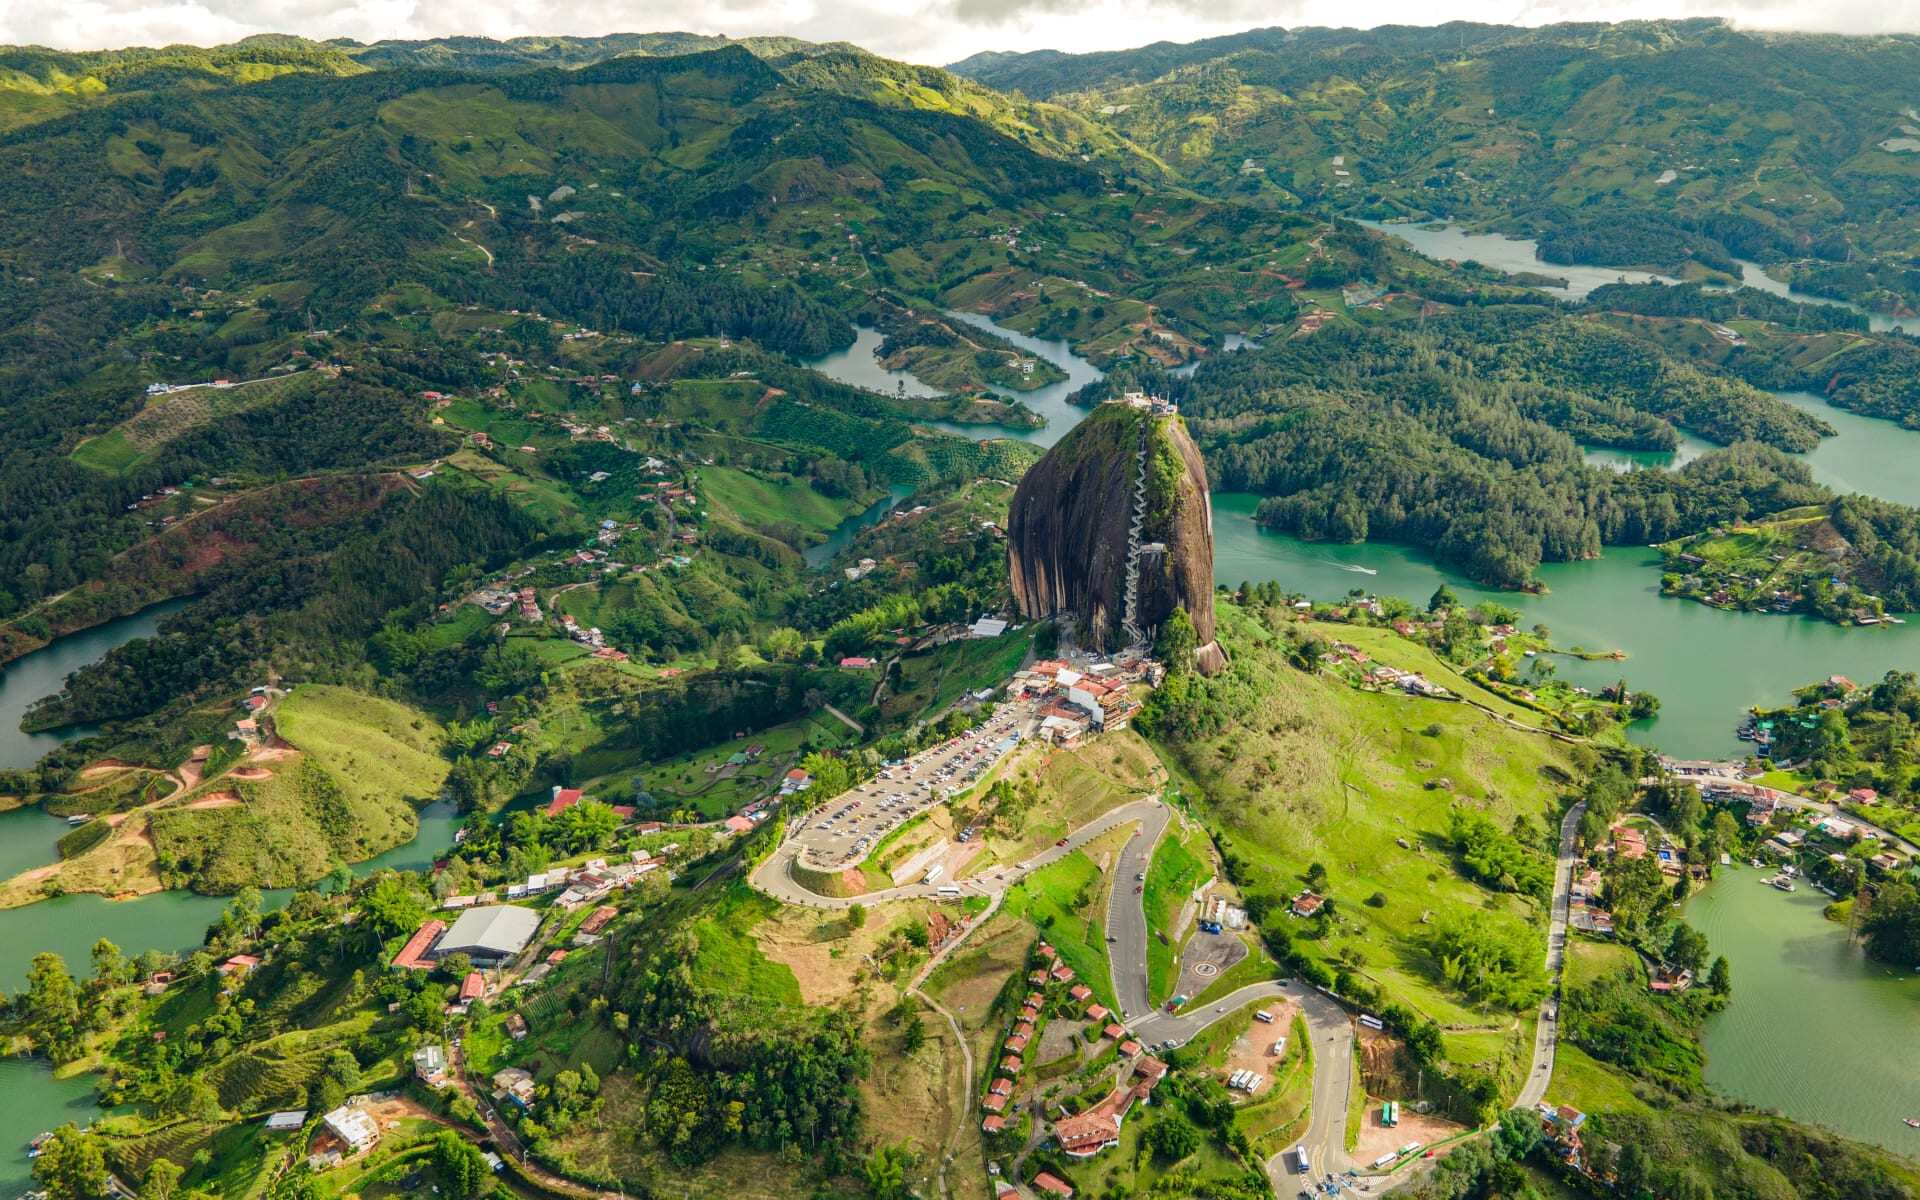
(372, 745)
(728, 961)
(1171, 877)
(930, 682)
(768, 502)
(1589, 1084)
(1309, 769)
(1064, 901)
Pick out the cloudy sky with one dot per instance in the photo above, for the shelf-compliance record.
(932, 31)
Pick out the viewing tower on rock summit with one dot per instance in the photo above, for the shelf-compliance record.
(1113, 530)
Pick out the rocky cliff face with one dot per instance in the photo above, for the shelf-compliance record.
(1067, 533)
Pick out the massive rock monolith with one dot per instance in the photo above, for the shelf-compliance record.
(1068, 530)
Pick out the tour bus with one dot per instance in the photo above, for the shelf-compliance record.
(933, 873)
(1371, 1021)
(1297, 1159)
(947, 889)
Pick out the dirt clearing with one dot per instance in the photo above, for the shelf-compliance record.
(1377, 1140)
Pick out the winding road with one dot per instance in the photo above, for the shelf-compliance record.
(1329, 1025)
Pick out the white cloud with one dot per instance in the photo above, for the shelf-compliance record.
(935, 31)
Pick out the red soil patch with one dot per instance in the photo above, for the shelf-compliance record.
(216, 800)
(251, 774)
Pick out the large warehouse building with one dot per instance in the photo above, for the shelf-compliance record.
(489, 935)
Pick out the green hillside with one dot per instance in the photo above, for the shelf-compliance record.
(1667, 144)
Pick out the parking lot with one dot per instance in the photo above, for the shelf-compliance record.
(847, 828)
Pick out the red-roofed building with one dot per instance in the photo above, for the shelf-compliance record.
(563, 799)
(239, 964)
(1053, 1185)
(599, 919)
(1113, 1031)
(739, 825)
(1011, 1064)
(1081, 992)
(994, 1102)
(1016, 1043)
(1089, 1133)
(1046, 951)
(412, 956)
(1034, 998)
(1023, 1029)
(472, 987)
(1037, 978)
(856, 662)
(1001, 1087)
(1306, 904)
(994, 1123)
(1629, 843)
(1063, 973)
(1129, 1048)
(1151, 1070)
(1098, 1012)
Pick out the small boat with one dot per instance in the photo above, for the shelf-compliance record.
(1358, 570)
(1913, 1122)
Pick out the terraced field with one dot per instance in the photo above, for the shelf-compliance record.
(165, 418)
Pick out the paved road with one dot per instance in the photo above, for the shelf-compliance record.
(1127, 918)
(1710, 773)
(1546, 1032)
(1327, 1022)
(775, 878)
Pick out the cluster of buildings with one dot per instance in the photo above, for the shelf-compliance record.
(1585, 911)
(487, 934)
(1077, 703)
(1412, 682)
(1561, 1125)
(579, 886)
(1720, 783)
(1083, 1134)
(1159, 406)
(1087, 1134)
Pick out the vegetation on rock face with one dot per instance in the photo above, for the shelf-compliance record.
(1069, 523)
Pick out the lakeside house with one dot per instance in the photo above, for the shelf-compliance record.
(1629, 842)
(1307, 904)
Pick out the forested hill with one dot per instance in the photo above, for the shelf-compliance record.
(1677, 145)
